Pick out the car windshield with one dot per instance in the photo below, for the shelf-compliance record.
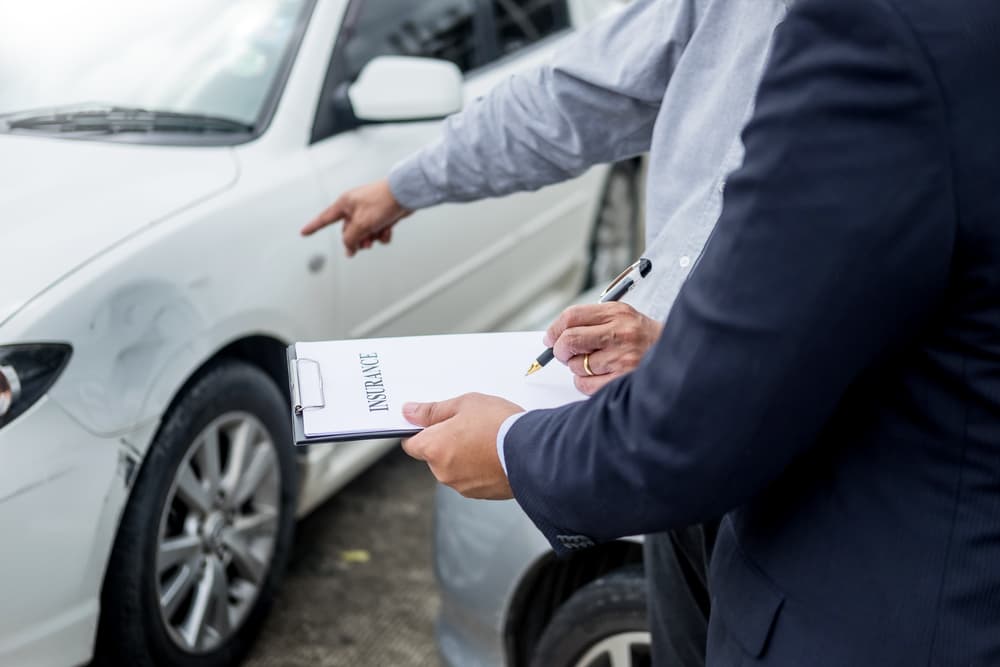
(195, 59)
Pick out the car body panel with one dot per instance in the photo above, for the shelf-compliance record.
(55, 551)
(481, 237)
(139, 329)
(56, 202)
(481, 552)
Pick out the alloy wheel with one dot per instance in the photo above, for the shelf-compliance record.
(217, 532)
(627, 649)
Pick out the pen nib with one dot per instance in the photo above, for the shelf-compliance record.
(535, 367)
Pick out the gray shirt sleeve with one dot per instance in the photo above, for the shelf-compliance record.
(595, 102)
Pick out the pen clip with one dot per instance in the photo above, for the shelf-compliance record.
(644, 266)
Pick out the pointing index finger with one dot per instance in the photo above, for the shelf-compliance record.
(335, 213)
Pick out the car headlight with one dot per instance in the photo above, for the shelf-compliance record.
(26, 373)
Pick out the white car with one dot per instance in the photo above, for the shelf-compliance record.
(156, 162)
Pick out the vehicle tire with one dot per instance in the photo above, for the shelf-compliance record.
(602, 625)
(205, 536)
(617, 238)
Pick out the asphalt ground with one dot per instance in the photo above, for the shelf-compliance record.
(360, 588)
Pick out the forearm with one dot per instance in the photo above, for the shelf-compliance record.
(596, 102)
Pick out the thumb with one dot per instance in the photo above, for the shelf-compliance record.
(428, 414)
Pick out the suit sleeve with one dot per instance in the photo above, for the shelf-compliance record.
(833, 248)
(596, 102)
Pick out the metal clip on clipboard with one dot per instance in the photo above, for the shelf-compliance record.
(307, 385)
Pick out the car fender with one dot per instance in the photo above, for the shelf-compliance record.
(140, 325)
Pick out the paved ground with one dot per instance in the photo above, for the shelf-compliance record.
(360, 590)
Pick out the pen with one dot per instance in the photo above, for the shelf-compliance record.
(618, 288)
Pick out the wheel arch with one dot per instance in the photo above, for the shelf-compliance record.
(261, 351)
(264, 351)
(549, 583)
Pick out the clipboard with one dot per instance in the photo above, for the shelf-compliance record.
(351, 390)
(305, 387)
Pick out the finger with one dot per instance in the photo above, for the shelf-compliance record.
(386, 235)
(355, 242)
(414, 447)
(582, 315)
(581, 340)
(601, 363)
(335, 213)
(428, 414)
(355, 238)
(561, 324)
(363, 228)
(555, 330)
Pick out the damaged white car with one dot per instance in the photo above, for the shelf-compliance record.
(156, 162)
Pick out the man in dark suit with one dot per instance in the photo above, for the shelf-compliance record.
(830, 373)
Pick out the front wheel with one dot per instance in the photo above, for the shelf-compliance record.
(207, 530)
(602, 625)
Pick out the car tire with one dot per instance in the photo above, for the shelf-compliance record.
(604, 623)
(617, 237)
(236, 530)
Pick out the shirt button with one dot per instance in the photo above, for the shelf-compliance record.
(722, 186)
(685, 262)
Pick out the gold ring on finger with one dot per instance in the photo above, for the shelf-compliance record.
(586, 365)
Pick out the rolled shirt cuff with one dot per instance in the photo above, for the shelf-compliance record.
(502, 434)
(410, 185)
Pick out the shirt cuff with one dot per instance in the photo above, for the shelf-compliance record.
(411, 187)
(502, 433)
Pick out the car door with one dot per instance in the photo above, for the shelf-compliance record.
(543, 236)
(451, 267)
(403, 287)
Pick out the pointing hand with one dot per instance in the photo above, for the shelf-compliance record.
(368, 213)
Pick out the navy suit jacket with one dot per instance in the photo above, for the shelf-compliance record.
(830, 373)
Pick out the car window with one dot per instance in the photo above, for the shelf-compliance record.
(443, 29)
(209, 57)
(520, 23)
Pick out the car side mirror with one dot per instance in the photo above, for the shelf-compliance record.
(399, 89)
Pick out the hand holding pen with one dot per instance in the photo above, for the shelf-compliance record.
(582, 316)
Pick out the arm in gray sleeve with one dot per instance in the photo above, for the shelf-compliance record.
(595, 102)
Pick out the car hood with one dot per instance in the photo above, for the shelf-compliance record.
(64, 202)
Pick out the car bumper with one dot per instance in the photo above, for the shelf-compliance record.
(482, 551)
(61, 493)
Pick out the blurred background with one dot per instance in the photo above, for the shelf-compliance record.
(157, 160)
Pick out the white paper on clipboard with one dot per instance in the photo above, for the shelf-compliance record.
(355, 389)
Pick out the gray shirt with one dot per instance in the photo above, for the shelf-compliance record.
(675, 78)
